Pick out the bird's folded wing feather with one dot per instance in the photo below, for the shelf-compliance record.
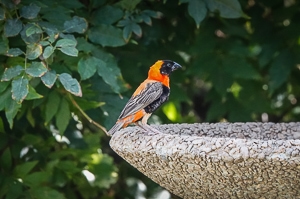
(150, 93)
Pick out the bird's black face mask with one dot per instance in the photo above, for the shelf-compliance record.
(168, 67)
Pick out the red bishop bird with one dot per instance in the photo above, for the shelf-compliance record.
(148, 97)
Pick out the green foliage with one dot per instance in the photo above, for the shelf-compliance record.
(65, 61)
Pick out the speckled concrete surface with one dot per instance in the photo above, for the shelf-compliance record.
(223, 160)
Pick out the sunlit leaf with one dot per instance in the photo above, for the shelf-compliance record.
(19, 89)
(63, 116)
(76, 24)
(49, 78)
(70, 84)
(30, 12)
(36, 69)
(34, 51)
(48, 52)
(34, 29)
(14, 52)
(71, 51)
(106, 35)
(31, 33)
(65, 43)
(12, 27)
(12, 72)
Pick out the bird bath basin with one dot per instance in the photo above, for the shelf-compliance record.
(222, 160)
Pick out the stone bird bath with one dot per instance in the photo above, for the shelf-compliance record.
(222, 160)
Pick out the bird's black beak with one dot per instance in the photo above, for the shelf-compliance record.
(176, 66)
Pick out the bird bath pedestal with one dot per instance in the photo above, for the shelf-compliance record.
(223, 160)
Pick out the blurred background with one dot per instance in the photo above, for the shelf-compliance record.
(63, 63)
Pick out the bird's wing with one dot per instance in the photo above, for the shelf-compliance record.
(149, 93)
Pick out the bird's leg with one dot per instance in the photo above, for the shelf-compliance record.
(150, 130)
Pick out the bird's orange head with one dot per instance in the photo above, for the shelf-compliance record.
(161, 70)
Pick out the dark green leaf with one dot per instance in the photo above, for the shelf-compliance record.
(128, 4)
(10, 73)
(227, 8)
(49, 78)
(70, 84)
(221, 80)
(108, 75)
(14, 52)
(19, 89)
(37, 178)
(30, 12)
(36, 69)
(34, 29)
(106, 35)
(137, 29)
(12, 27)
(3, 86)
(3, 45)
(31, 33)
(84, 45)
(45, 193)
(52, 106)
(23, 169)
(44, 43)
(5, 98)
(2, 14)
(48, 52)
(216, 111)
(280, 69)
(87, 67)
(6, 159)
(107, 15)
(63, 116)
(15, 190)
(127, 30)
(34, 51)
(71, 51)
(32, 94)
(76, 24)
(11, 110)
(197, 9)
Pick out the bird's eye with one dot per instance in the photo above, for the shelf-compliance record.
(168, 64)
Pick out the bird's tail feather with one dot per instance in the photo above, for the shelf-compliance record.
(115, 128)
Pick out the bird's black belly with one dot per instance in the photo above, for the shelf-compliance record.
(158, 102)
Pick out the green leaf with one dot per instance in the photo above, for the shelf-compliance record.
(197, 9)
(137, 29)
(44, 192)
(23, 169)
(36, 69)
(3, 45)
(34, 29)
(48, 52)
(87, 67)
(49, 78)
(216, 111)
(107, 15)
(63, 116)
(128, 4)
(70, 84)
(66, 43)
(12, 27)
(6, 159)
(227, 8)
(3, 86)
(2, 14)
(37, 178)
(5, 98)
(280, 69)
(221, 80)
(106, 35)
(127, 30)
(34, 51)
(30, 12)
(32, 94)
(19, 89)
(71, 51)
(52, 106)
(11, 110)
(108, 75)
(14, 52)
(76, 24)
(15, 190)
(10, 73)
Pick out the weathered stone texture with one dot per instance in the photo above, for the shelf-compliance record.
(223, 160)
